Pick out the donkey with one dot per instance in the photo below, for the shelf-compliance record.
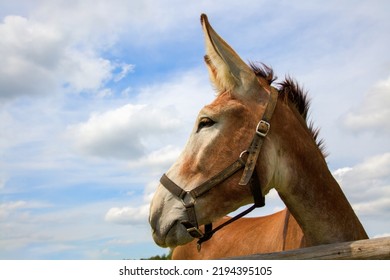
(230, 156)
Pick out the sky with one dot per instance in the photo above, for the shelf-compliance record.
(97, 99)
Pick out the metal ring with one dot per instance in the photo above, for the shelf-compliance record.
(243, 153)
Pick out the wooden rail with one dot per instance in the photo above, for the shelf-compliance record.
(370, 249)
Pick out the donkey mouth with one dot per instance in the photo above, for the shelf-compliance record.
(172, 236)
(161, 237)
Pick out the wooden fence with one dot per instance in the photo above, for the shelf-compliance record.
(370, 249)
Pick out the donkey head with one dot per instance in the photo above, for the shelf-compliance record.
(222, 131)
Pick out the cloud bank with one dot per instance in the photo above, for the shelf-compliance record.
(98, 98)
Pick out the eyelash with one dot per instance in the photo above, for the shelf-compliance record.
(205, 122)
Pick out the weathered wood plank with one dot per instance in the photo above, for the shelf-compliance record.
(370, 249)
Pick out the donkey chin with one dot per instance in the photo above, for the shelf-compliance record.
(171, 236)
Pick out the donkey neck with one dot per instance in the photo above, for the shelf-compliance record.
(307, 187)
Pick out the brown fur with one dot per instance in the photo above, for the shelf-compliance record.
(247, 236)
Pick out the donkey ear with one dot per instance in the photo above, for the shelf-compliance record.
(226, 69)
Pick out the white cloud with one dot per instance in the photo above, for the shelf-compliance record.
(124, 68)
(381, 235)
(30, 54)
(158, 160)
(128, 215)
(6, 208)
(101, 23)
(373, 115)
(367, 185)
(84, 70)
(16, 208)
(374, 208)
(41, 58)
(185, 93)
(141, 132)
(373, 168)
(69, 231)
(122, 133)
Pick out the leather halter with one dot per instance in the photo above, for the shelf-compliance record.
(188, 198)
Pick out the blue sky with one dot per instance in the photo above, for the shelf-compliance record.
(97, 98)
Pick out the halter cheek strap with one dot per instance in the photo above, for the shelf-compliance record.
(188, 198)
(261, 132)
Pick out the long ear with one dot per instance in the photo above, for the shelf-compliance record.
(227, 70)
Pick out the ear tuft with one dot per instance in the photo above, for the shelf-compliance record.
(220, 77)
(227, 71)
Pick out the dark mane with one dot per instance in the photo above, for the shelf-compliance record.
(263, 71)
(290, 91)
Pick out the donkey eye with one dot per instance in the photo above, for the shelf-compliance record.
(205, 122)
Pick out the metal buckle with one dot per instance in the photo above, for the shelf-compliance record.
(195, 232)
(260, 128)
(188, 200)
(192, 229)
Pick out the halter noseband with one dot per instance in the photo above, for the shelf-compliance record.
(188, 198)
